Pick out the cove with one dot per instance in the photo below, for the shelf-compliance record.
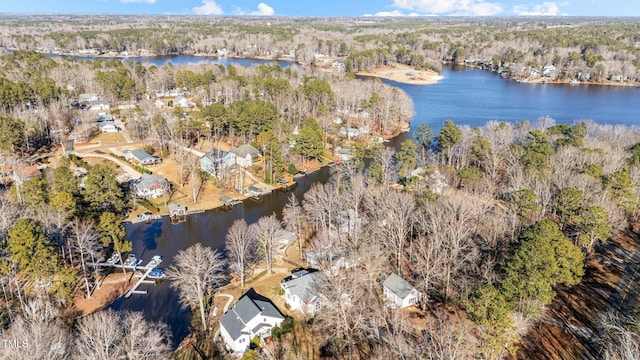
(467, 96)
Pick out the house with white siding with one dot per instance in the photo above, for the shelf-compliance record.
(253, 315)
(400, 292)
(300, 291)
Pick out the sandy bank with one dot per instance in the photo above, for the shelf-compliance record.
(404, 74)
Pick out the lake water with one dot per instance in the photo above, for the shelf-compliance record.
(210, 228)
(466, 96)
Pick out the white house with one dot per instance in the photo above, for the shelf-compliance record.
(141, 157)
(400, 292)
(253, 315)
(182, 101)
(99, 105)
(148, 186)
(349, 132)
(300, 291)
(108, 128)
(548, 70)
(245, 155)
(89, 97)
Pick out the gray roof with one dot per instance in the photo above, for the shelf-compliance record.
(245, 149)
(139, 154)
(398, 286)
(215, 154)
(146, 181)
(302, 286)
(235, 320)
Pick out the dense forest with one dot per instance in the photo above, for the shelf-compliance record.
(488, 223)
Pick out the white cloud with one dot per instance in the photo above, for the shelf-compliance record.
(544, 9)
(209, 7)
(450, 7)
(263, 10)
(139, 1)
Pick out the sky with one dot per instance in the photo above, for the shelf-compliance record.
(330, 7)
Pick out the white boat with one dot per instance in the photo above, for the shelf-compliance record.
(114, 259)
(131, 259)
(155, 261)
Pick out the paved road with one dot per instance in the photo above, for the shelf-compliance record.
(130, 172)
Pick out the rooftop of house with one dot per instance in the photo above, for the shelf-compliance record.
(250, 305)
(146, 181)
(302, 284)
(244, 150)
(398, 286)
(138, 154)
(215, 154)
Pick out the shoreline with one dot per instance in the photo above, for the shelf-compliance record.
(404, 74)
(399, 73)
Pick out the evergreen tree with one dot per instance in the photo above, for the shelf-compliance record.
(449, 136)
(406, 157)
(114, 233)
(543, 258)
(102, 191)
(31, 249)
(537, 151)
(310, 141)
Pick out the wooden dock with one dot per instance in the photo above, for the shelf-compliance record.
(155, 261)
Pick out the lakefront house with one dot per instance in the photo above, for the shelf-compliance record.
(253, 315)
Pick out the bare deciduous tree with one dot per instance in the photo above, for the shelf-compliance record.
(292, 218)
(109, 335)
(197, 270)
(268, 232)
(241, 247)
(37, 333)
(86, 241)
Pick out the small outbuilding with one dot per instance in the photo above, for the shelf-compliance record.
(400, 292)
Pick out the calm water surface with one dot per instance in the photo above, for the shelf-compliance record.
(468, 97)
(209, 228)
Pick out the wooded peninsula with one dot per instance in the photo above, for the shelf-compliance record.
(507, 240)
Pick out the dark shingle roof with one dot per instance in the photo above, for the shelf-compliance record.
(235, 320)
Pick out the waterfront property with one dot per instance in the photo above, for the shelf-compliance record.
(177, 210)
(300, 291)
(215, 161)
(150, 186)
(253, 315)
(400, 292)
(245, 155)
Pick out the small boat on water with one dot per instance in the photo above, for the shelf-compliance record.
(156, 274)
(114, 259)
